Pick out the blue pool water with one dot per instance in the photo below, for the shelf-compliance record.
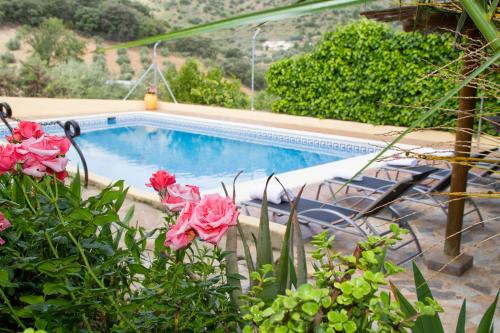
(134, 153)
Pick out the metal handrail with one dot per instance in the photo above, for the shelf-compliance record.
(71, 130)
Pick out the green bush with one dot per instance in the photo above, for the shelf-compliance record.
(364, 72)
(8, 57)
(33, 76)
(88, 19)
(190, 85)
(13, 44)
(79, 80)
(53, 43)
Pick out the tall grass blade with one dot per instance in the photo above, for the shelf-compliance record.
(76, 186)
(429, 323)
(461, 318)
(248, 254)
(263, 245)
(232, 260)
(271, 14)
(486, 323)
(283, 274)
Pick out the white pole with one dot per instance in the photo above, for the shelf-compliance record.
(253, 69)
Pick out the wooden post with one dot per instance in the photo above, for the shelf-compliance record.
(463, 141)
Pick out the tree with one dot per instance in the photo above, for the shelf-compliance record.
(33, 76)
(120, 22)
(87, 19)
(53, 43)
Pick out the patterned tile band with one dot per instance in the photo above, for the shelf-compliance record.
(274, 137)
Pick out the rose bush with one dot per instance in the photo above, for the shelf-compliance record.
(207, 218)
(69, 264)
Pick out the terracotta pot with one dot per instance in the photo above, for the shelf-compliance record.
(151, 102)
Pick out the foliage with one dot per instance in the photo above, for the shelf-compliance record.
(264, 101)
(191, 85)
(88, 19)
(8, 57)
(87, 16)
(8, 80)
(33, 77)
(69, 263)
(364, 72)
(242, 70)
(346, 298)
(52, 42)
(78, 80)
(201, 47)
(13, 44)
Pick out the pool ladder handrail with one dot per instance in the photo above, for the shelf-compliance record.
(71, 130)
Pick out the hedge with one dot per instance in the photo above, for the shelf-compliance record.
(365, 72)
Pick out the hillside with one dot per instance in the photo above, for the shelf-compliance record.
(301, 33)
(7, 33)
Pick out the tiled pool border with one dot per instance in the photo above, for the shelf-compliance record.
(319, 143)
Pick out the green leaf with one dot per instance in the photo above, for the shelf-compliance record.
(31, 299)
(273, 14)
(429, 323)
(283, 273)
(486, 324)
(310, 308)
(5, 279)
(104, 219)
(76, 186)
(264, 245)
(246, 250)
(51, 288)
(461, 319)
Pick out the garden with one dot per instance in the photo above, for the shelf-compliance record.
(72, 264)
(76, 261)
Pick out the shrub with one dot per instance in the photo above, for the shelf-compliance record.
(362, 72)
(123, 59)
(69, 263)
(33, 76)
(31, 12)
(190, 85)
(88, 19)
(119, 22)
(8, 57)
(8, 80)
(13, 44)
(79, 80)
(264, 101)
(52, 42)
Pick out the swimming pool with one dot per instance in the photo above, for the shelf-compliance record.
(132, 146)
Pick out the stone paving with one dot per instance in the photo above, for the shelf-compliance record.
(478, 285)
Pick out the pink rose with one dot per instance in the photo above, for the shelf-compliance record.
(30, 129)
(4, 224)
(8, 158)
(178, 195)
(59, 142)
(181, 234)
(212, 217)
(160, 180)
(42, 156)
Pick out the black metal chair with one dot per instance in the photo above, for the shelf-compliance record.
(351, 220)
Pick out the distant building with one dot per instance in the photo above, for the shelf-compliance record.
(276, 45)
